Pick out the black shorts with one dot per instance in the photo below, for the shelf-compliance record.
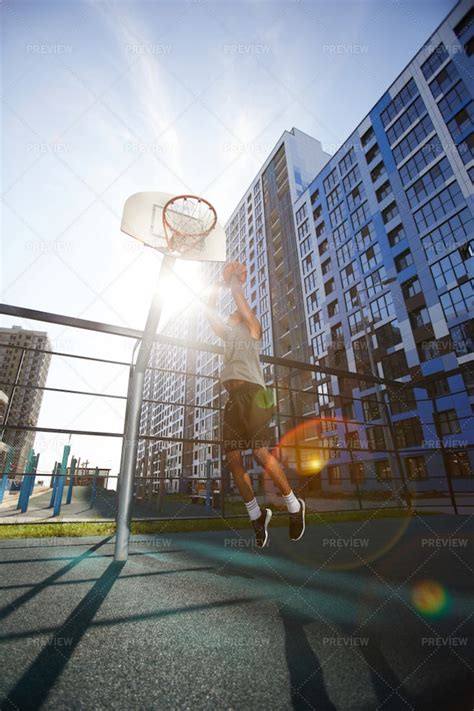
(247, 415)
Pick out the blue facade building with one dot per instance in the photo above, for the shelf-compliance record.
(385, 235)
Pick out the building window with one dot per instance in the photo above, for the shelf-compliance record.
(458, 301)
(395, 365)
(449, 234)
(330, 181)
(357, 472)
(367, 136)
(463, 338)
(420, 317)
(313, 301)
(375, 438)
(448, 423)
(408, 432)
(303, 229)
(378, 172)
(427, 154)
(382, 307)
(416, 467)
(404, 96)
(413, 112)
(351, 179)
(404, 260)
(371, 257)
(334, 475)
(463, 120)
(458, 464)
(465, 24)
(382, 469)
(466, 149)
(323, 247)
(351, 298)
(396, 235)
(334, 197)
(349, 274)
(388, 335)
(384, 191)
(390, 212)
(454, 100)
(326, 266)
(355, 322)
(365, 236)
(413, 139)
(372, 153)
(411, 287)
(452, 268)
(341, 233)
(443, 80)
(434, 61)
(345, 253)
(301, 214)
(431, 181)
(355, 196)
(374, 282)
(337, 215)
(329, 287)
(347, 161)
(333, 308)
(370, 408)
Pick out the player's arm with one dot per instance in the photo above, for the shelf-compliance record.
(215, 322)
(244, 309)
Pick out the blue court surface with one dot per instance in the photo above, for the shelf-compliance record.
(360, 615)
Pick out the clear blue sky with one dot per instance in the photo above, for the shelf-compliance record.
(103, 99)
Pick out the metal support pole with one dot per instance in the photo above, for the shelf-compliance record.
(31, 484)
(54, 483)
(208, 485)
(132, 418)
(6, 471)
(161, 481)
(61, 478)
(72, 471)
(94, 488)
(25, 483)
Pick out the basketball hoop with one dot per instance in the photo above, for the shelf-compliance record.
(187, 221)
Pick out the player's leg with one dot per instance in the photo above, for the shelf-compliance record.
(259, 518)
(296, 506)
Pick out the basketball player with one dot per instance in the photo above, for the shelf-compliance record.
(249, 408)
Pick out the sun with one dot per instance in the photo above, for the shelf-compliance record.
(182, 290)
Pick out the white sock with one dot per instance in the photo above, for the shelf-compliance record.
(292, 503)
(253, 509)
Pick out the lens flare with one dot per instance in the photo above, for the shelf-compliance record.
(430, 598)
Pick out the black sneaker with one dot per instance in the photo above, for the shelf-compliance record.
(297, 524)
(260, 526)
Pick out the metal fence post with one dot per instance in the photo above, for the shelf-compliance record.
(25, 483)
(208, 485)
(6, 471)
(72, 471)
(61, 478)
(94, 488)
(31, 484)
(132, 418)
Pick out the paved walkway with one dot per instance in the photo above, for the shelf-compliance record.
(337, 621)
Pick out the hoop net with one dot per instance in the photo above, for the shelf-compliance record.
(187, 221)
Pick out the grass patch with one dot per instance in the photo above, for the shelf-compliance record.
(53, 530)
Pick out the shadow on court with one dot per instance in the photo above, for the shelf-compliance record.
(196, 621)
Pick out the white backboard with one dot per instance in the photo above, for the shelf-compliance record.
(142, 218)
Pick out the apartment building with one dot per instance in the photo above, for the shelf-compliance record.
(22, 363)
(385, 240)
